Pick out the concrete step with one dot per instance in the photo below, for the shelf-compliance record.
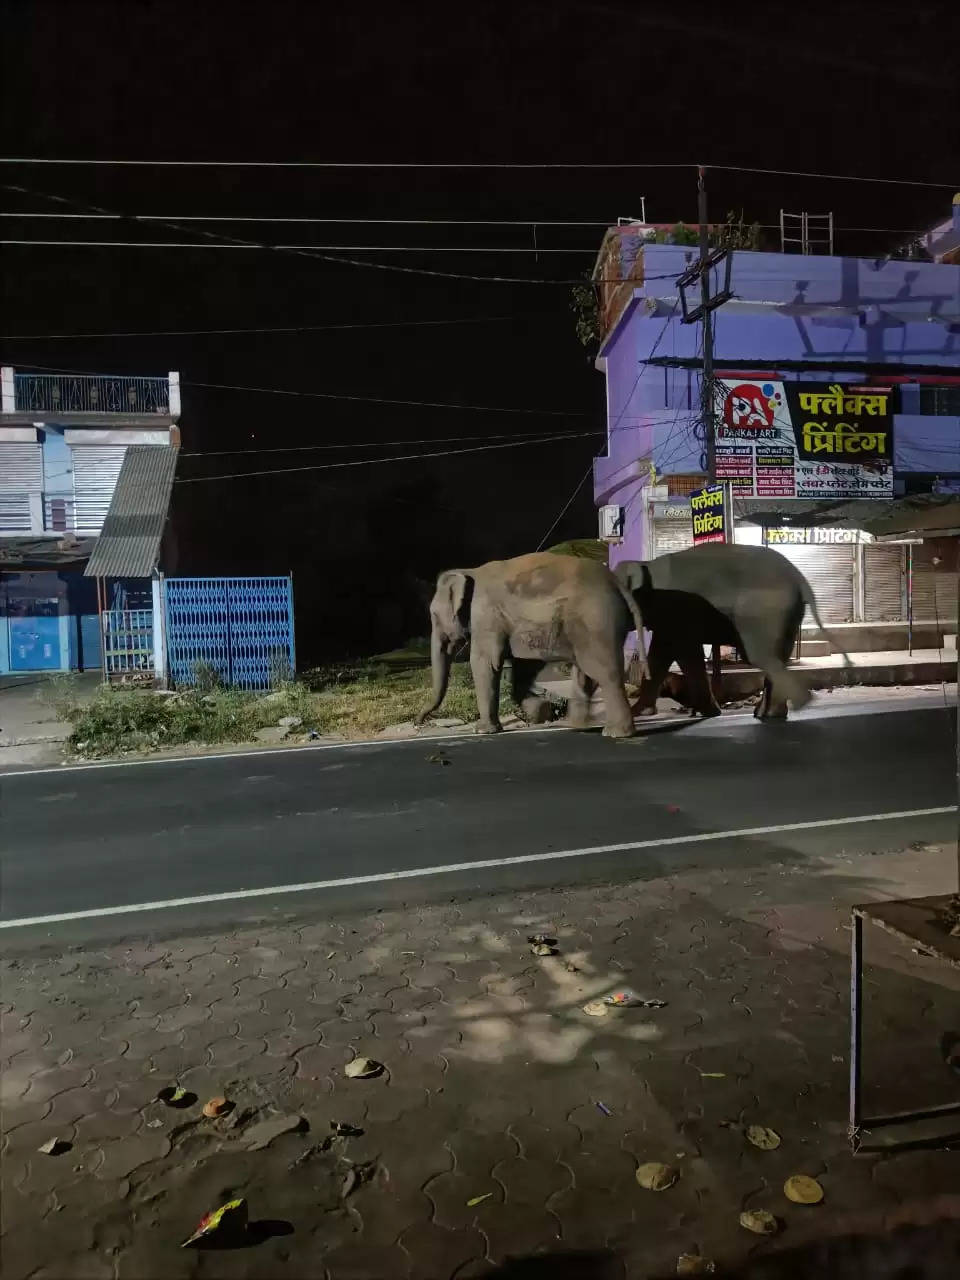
(892, 667)
(814, 648)
(880, 637)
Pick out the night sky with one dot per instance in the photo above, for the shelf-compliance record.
(866, 89)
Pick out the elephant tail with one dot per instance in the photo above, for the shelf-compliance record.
(810, 600)
(636, 615)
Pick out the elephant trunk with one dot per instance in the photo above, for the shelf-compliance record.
(440, 660)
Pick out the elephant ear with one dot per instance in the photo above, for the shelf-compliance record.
(453, 597)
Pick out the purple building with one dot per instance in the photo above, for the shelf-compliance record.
(881, 326)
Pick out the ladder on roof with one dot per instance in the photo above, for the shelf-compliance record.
(806, 232)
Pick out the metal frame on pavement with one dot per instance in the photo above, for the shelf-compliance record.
(946, 950)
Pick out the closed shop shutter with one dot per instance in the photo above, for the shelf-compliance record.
(21, 473)
(95, 472)
(829, 570)
(935, 596)
(672, 535)
(883, 584)
(21, 468)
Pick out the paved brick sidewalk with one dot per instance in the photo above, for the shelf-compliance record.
(493, 1078)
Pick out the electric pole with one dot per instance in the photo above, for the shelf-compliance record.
(706, 376)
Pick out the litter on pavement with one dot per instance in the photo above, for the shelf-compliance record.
(760, 1222)
(362, 1068)
(229, 1220)
(54, 1147)
(655, 1176)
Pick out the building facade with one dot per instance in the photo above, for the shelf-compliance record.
(65, 464)
(878, 334)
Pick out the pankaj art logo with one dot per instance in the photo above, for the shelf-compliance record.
(751, 407)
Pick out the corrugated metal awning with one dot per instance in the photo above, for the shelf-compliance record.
(922, 514)
(129, 546)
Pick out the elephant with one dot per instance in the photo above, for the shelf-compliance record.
(721, 593)
(538, 608)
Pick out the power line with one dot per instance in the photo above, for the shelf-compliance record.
(300, 328)
(465, 166)
(407, 457)
(304, 253)
(325, 248)
(566, 506)
(832, 177)
(380, 222)
(398, 222)
(326, 164)
(417, 404)
(363, 444)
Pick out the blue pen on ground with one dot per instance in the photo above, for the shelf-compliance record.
(602, 1106)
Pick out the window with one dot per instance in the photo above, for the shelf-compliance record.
(943, 402)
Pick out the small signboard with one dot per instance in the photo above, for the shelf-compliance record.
(706, 507)
(791, 537)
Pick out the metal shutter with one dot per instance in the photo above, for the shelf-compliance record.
(829, 570)
(21, 473)
(21, 468)
(883, 584)
(95, 472)
(672, 535)
(935, 596)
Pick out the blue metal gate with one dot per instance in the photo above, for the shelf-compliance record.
(241, 627)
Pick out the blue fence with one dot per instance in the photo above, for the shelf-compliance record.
(241, 627)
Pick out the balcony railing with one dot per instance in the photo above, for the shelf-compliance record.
(68, 393)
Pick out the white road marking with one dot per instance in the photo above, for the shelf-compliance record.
(411, 873)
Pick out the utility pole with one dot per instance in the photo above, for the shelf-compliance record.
(706, 376)
(700, 272)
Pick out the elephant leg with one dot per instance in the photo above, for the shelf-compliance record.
(582, 689)
(606, 669)
(766, 709)
(659, 657)
(523, 672)
(769, 707)
(699, 690)
(486, 663)
(765, 651)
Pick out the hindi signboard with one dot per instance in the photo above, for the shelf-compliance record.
(815, 537)
(706, 508)
(806, 440)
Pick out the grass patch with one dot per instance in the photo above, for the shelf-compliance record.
(355, 700)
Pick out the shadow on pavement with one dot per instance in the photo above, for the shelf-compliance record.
(578, 1265)
(256, 1233)
(910, 1253)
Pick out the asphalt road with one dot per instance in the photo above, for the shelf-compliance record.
(96, 839)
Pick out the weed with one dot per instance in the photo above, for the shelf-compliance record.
(206, 677)
(354, 701)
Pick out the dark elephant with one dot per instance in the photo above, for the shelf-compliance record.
(751, 598)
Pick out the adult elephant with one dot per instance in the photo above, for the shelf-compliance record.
(721, 593)
(538, 608)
